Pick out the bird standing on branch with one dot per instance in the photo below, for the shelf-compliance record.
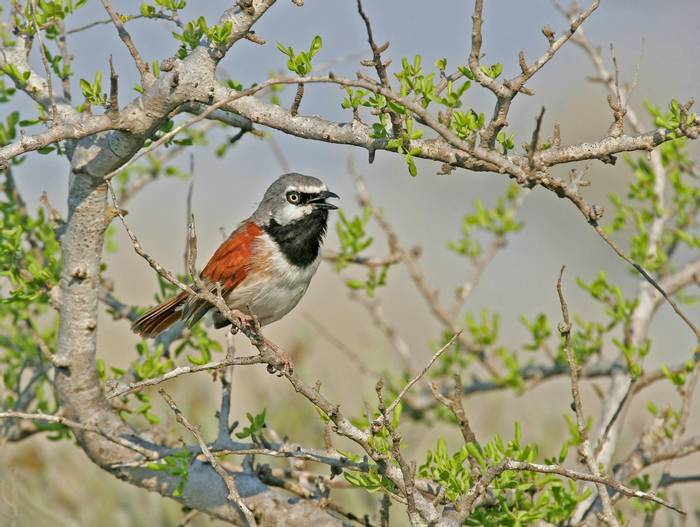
(265, 265)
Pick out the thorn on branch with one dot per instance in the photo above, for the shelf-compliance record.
(549, 34)
(535, 138)
(297, 99)
(255, 39)
(556, 138)
(246, 6)
(167, 64)
(522, 63)
(113, 111)
(175, 80)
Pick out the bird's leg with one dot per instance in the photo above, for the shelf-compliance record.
(285, 363)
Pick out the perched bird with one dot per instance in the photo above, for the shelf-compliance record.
(265, 265)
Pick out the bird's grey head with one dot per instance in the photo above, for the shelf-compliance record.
(293, 197)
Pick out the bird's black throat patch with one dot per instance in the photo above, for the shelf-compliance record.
(301, 240)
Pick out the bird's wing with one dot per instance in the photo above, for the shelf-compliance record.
(230, 263)
(228, 266)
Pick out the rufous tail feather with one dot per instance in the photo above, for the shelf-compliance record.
(160, 318)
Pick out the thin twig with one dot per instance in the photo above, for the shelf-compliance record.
(584, 443)
(421, 373)
(380, 66)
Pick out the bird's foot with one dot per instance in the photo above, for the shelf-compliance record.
(284, 365)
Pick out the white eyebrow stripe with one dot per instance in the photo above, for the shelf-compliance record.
(307, 189)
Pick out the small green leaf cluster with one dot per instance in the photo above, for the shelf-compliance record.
(465, 124)
(634, 355)
(540, 331)
(300, 63)
(370, 481)
(671, 418)
(494, 70)
(373, 480)
(586, 340)
(402, 144)
(381, 106)
(177, 465)
(150, 362)
(618, 308)
(21, 77)
(29, 256)
(507, 142)
(498, 221)
(150, 11)
(413, 80)
(199, 341)
(678, 378)
(8, 129)
(6, 92)
(352, 236)
(516, 498)
(354, 240)
(195, 30)
(574, 434)
(355, 98)
(451, 471)
(483, 330)
(256, 424)
(92, 92)
(673, 119)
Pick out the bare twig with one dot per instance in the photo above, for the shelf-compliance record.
(183, 370)
(146, 75)
(380, 66)
(59, 419)
(420, 374)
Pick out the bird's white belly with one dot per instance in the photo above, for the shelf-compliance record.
(272, 294)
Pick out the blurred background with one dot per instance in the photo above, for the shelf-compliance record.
(54, 484)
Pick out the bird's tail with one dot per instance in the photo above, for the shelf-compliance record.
(161, 317)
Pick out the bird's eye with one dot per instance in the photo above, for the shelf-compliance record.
(293, 198)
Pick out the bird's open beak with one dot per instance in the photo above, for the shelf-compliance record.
(320, 200)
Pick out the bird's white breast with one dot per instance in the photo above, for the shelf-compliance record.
(273, 286)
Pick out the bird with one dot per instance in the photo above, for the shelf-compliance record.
(264, 267)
